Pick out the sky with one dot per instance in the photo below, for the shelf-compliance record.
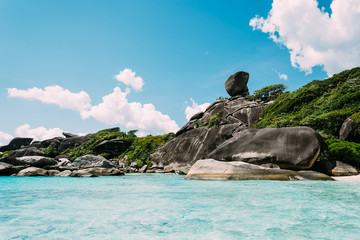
(82, 66)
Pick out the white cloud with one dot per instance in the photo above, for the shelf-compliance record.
(194, 108)
(281, 75)
(39, 133)
(5, 138)
(127, 76)
(115, 109)
(55, 95)
(312, 36)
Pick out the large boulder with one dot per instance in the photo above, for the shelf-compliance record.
(290, 148)
(92, 161)
(210, 169)
(236, 84)
(73, 142)
(335, 168)
(348, 130)
(113, 147)
(32, 171)
(36, 161)
(207, 130)
(16, 143)
(6, 169)
(29, 151)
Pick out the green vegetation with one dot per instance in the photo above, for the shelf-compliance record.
(137, 149)
(6, 153)
(106, 134)
(269, 92)
(214, 120)
(321, 105)
(142, 147)
(348, 152)
(324, 106)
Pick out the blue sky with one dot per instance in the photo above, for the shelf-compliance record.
(180, 52)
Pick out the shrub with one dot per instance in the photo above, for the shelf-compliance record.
(348, 152)
(214, 120)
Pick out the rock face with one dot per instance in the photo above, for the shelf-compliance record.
(92, 161)
(72, 142)
(236, 84)
(95, 172)
(29, 151)
(206, 131)
(290, 148)
(36, 161)
(335, 168)
(347, 130)
(16, 143)
(210, 169)
(114, 147)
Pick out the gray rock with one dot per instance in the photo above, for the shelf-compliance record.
(73, 142)
(143, 169)
(32, 171)
(52, 143)
(16, 143)
(113, 147)
(195, 140)
(290, 148)
(6, 169)
(92, 161)
(36, 161)
(52, 172)
(210, 169)
(335, 168)
(65, 173)
(91, 172)
(347, 130)
(64, 162)
(69, 135)
(197, 116)
(134, 165)
(236, 84)
(29, 151)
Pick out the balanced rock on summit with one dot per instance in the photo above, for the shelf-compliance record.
(236, 84)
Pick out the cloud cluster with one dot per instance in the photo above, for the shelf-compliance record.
(114, 108)
(55, 95)
(194, 108)
(282, 75)
(312, 36)
(5, 138)
(127, 76)
(39, 133)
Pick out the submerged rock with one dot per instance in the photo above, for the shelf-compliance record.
(210, 169)
(290, 148)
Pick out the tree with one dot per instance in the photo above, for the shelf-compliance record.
(269, 92)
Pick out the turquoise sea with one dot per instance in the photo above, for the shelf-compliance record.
(157, 206)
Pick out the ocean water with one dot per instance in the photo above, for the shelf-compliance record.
(157, 206)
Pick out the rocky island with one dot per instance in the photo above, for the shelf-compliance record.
(312, 133)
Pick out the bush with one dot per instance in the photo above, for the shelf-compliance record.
(214, 120)
(321, 105)
(348, 152)
(271, 91)
(142, 147)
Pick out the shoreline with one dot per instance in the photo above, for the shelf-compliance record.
(353, 178)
